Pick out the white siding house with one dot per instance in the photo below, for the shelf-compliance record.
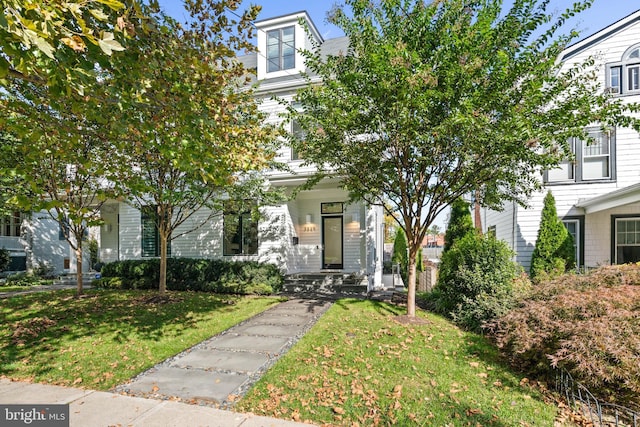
(318, 231)
(598, 194)
(36, 241)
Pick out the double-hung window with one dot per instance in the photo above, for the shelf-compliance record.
(623, 77)
(626, 234)
(575, 227)
(281, 52)
(592, 159)
(10, 224)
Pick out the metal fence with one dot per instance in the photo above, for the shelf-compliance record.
(602, 414)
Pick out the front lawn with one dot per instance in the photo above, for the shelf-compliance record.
(359, 366)
(107, 337)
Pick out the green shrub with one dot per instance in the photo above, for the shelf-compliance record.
(107, 283)
(399, 255)
(26, 279)
(460, 223)
(477, 282)
(5, 259)
(185, 274)
(587, 324)
(554, 253)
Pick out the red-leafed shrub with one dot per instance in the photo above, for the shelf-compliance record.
(588, 324)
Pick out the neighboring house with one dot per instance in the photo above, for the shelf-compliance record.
(36, 242)
(598, 194)
(319, 231)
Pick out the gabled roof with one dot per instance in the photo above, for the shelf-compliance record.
(621, 197)
(604, 33)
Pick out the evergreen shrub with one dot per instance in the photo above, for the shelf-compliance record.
(478, 281)
(460, 223)
(400, 255)
(5, 259)
(186, 274)
(554, 253)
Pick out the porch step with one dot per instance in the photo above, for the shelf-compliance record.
(326, 284)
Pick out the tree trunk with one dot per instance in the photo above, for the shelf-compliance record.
(411, 289)
(163, 263)
(78, 253)
(476, 211)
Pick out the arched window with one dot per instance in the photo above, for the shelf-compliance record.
(624, 77)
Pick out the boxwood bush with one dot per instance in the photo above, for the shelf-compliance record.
(186, 274)
(478, 281)
(588, 324)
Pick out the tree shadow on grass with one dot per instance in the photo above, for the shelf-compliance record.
(40, 328)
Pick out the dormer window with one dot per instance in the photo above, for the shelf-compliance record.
(281, 51)
(624, 77)
(280, 42)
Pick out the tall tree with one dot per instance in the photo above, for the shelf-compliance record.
(435, 100)
(58, 159)
(460, 223)
(554, 252)
(193, 136)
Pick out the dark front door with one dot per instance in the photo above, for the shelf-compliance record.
(332, 242)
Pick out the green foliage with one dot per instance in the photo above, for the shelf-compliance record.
(419, 261)
(93, 252)
(27, 279)
(460, 223)
(185, 274)
(554, 252)
(478, 281)
(587, 324)
(5, 259)
(57, 44)
(399, 255)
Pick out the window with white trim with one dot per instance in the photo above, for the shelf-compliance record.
(573, 227)
(593, 160)
(10, 224)
(281, 51)
(627, 240)
(623, 77)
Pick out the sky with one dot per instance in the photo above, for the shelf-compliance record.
(600, 15)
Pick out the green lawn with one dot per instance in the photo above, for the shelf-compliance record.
(107, 337)
(358, 366)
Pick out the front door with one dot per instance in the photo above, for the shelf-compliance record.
(332, 242)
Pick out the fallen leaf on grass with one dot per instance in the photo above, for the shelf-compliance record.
(77, 381)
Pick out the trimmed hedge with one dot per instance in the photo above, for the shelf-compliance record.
(186, 274)
(588, 324)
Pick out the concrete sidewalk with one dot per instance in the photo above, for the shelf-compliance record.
(89, 408)
(210, 375)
